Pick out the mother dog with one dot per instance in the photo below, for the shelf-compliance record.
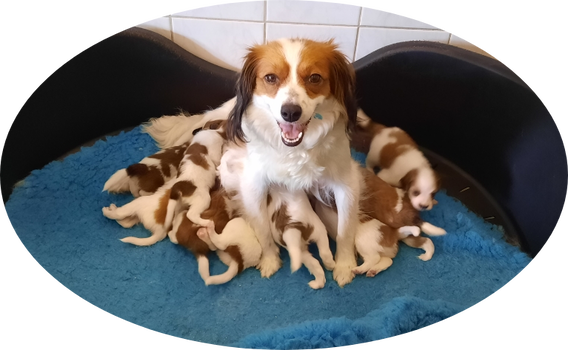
(294, 109)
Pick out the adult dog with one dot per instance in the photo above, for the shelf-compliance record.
(293, 111)
(295, 107)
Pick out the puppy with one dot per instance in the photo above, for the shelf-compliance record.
(400, 161)
(294, 224)
(386, 216)
(196, 175)
(237, 246)
(149, 210)
(151, 173)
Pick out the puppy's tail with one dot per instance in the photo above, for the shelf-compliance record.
(154, 238)
(118, 182)
(225, 277)
(432, 230)
(172, 130)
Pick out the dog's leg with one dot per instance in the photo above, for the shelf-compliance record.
(315, 269)
(432, 230)
(293, 239)
(255, 205)
(367, 244)
(199, 202)
(347, 201)
(421, 242)
(172, 234)
(203, 267)
(319, 236)
(204, 235)
(382, 265)
(126, 215)
(406, 231)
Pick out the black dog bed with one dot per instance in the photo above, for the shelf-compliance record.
(494, 143)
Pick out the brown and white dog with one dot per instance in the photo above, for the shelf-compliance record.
(144, 178)
(386, 216)
(294, 225)
(401, 162)
(150, 210)
(237, 246)
(295, 107)
(196, 175)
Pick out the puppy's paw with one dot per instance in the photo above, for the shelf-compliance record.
(425, 256)
(203, 234)
(359, 270)
(372, 273)
(343, 273)
(317, 284)
(269, 264)
(210, 227)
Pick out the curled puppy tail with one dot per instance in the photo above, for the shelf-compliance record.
(226, 276)
(154, 238)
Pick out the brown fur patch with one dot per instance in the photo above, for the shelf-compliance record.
(361, 137)
(197, 154)
(379, 200)
(217, 211)
(316, 58)
(264, 60)
(149, 177)
(170, 157)
(392, 150)
(235, 254)
(160, 213)
(283, 221)
(389, 238)
(407, 180)
(187, 237)
(182, 189)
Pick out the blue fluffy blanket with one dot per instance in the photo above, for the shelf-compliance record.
(158, 287)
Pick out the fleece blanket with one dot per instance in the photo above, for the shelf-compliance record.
(158, 287)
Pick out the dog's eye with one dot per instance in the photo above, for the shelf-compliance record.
(415, 193)
(315, 79)
(271, 78)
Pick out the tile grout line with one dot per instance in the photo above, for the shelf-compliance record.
(264, 21)
(171, 28)
(357, 34)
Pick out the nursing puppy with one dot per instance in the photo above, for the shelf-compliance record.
(150, 210)
(401, 162)
(386, 216)
(196, 175)
(145, 177)
(294, 225)
(237, 246)
(295, 107)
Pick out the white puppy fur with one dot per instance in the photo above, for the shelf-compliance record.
(149, 210)
(196, 177)
(294, 225)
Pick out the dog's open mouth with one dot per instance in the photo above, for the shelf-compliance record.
(292, 133)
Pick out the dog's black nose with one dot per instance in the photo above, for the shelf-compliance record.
(290, 112)
(423, 206)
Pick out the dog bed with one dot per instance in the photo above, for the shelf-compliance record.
(135, 75)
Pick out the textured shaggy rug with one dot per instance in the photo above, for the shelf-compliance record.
(158, 287)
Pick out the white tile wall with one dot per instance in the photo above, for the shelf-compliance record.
(220, 34)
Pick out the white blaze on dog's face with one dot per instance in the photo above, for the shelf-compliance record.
(421, 185)
(291, 79)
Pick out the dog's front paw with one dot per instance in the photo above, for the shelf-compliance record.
(317, 284)
(343, 273)
(269, 264)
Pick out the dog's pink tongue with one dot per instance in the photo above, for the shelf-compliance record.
(292, 131)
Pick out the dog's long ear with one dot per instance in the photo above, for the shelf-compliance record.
(244, 91)
(343, 86)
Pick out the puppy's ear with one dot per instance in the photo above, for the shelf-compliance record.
(408, 179)
(244, 91)
(343, 86)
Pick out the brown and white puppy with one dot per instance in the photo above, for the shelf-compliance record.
(386, 216)
(294, 225)
(237, 245)
(150, 210)
(196, 175)
(401, 162)
(145, 177)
